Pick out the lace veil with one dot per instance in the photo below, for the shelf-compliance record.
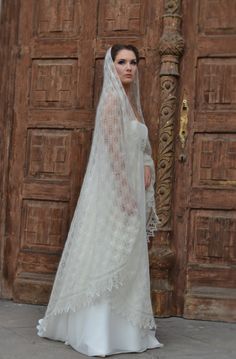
(102, 237)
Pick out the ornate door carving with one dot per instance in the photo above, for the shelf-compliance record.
(205, 202)
(51, 135)
(60, 51)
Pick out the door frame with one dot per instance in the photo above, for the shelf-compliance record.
(9, 19)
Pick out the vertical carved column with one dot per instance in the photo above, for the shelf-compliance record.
(162, 257)
(171, 49)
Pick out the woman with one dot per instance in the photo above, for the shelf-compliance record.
(100, 303)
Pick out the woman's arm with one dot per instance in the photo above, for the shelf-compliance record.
(149, 173)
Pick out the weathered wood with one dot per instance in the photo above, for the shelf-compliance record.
(52, 97)
(211, 307)
(170, 48)
(50, 141)
(61, 48)
(205, 205)
(8, 52)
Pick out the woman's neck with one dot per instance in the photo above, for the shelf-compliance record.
(127, 89)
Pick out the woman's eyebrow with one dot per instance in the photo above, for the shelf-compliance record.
(126, 59)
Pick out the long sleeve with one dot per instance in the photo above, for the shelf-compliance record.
(148, 161)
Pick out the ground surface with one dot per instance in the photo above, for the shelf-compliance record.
(182, 338)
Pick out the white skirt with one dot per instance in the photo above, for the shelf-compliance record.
(98, 331)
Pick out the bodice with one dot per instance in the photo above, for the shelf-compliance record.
(139, 133)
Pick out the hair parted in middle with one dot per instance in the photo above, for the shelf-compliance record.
(118, 47)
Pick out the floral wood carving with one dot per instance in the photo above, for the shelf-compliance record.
(172, 7)
(171, 49)
(171, 44)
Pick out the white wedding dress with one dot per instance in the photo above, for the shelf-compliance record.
(100, 302)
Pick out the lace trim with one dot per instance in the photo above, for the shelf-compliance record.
(79, 301)
(145, 322)
(85, 297)
(152, 224)
(101, 289)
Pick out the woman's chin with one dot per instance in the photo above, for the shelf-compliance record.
(127, 82)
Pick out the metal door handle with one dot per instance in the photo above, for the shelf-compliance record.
(183, 131)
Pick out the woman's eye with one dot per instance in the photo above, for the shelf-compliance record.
(133, 62)
(121, 62)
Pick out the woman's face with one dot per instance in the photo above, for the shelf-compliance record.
(126, 66)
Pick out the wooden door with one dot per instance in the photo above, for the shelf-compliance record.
(51, 134)
(205, 192)
(60, 52)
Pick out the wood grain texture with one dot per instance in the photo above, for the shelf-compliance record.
(171, 48)
(61, 48)
(50, 141)
(8, 54)
(52, 59)
(205, 207)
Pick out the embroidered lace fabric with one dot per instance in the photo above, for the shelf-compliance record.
(105, 255)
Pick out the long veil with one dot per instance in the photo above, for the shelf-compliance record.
(101, 253)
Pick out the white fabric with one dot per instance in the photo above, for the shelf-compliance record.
(105, 255)
(99, 331)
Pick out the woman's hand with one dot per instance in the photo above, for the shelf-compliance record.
(147, 176)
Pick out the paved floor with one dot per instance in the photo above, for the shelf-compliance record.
(182, 338)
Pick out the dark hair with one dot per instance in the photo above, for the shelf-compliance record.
(118, 47)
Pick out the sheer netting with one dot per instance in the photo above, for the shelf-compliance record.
(103, 254)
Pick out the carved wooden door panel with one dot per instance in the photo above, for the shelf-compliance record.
(205, 202)
(50, 141)
(61, 48)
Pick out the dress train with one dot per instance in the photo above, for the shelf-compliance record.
(98, 331)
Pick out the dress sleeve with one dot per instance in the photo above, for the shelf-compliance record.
(148, 161)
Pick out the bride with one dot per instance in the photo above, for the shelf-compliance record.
(100, 302)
